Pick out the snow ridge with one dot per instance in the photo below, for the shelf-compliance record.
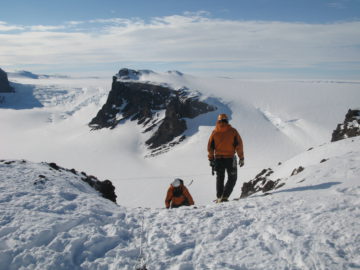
(58, 222)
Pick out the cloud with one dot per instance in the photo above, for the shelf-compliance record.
(4, 27)
(46, 27)
(188, 38)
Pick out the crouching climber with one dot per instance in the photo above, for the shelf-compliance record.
(178, 195)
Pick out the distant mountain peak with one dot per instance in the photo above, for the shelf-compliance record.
(131, 74)
(31, 75)
(157, 108)
(4, 83)
(28, 74)
(126, 74)
(175, 72)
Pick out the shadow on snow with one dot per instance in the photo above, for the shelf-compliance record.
(23, 98)
(207, 119)
(306, 188)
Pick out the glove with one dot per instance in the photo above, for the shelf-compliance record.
(212, 163)
(241, 162)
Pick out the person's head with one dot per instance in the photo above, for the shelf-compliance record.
(223, 119)
(176, 182)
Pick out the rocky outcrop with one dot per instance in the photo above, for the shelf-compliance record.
(4, 83)
(297, 170)
(157, 108)
(261, 183)
(349, 128)
(106, 188)
(130, 74)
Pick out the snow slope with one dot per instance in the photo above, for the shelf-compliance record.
(59, 222)
(46, 120)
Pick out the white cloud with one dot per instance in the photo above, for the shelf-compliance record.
(46, 27)
(74, 23)
(4, 27)
(190, 38)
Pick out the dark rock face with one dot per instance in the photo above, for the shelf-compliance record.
(4, 83)
(261, 182)
(130, 74)
(297, 170)
(105, 187)
(349, 128)
(146, 104)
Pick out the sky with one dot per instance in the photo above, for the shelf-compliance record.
(236, 38)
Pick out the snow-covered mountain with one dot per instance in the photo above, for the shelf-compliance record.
(57, 221)
(52, 219)
(47, 120)
(31, 75)
(4, 83)
(159, 109)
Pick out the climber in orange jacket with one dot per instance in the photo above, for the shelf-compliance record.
(178, 195)
(223, 143)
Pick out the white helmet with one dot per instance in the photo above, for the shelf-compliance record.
(176, 182)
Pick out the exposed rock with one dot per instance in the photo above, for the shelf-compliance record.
(349, 128)
(105, 187)
(10, 162)
(157, 108)
(4, 83)
(54, 166)
(297, 170)
(130, 74)
(261, 182)
(175, 72)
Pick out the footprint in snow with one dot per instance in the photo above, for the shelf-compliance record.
(68, 196)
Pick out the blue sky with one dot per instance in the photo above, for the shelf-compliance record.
(236, 38)
(56, 12)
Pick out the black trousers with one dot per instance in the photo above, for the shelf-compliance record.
(229, 165)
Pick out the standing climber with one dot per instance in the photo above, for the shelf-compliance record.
(223, 143)
(178, 195)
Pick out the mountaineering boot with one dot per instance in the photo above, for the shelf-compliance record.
(224, 199)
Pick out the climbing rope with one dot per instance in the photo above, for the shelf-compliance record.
(141, 261)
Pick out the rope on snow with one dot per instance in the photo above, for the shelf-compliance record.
(141, 262)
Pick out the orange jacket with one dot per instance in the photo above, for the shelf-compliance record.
(224, 141)
(173, 201)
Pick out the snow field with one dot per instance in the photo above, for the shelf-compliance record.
(52, 220)
(58, 222)
(276, 119)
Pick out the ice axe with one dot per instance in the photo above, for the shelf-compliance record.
(212, 164)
